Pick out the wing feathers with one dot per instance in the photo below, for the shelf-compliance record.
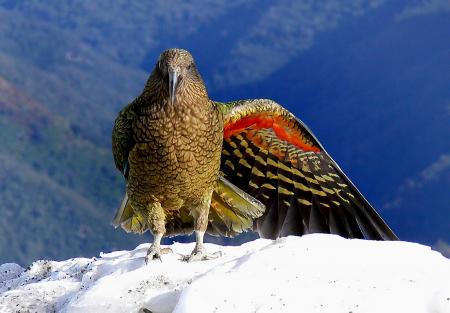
(122, 139)
(274, 157)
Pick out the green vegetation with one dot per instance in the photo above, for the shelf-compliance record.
(59, 93)
(58, 192)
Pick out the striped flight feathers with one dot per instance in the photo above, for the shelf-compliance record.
(274, 157)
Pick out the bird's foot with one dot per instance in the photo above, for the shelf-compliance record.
(200, 254)
(155, 252)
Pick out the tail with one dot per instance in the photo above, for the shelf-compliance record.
(232, 210)
(128, 219)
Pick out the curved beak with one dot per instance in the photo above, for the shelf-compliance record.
(174, 74)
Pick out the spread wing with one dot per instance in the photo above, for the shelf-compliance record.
(274, 157)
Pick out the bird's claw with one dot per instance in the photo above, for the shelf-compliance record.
(200, 254)
(155, 252)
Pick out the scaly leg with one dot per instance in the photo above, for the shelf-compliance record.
(200, 214)
(155, 251)
(199, 253)
(156, 220)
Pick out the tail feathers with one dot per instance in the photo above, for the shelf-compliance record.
(122, 212)
(232, 210)
(135, 224)
(128, 219)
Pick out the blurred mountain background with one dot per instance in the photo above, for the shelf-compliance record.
(370, 78)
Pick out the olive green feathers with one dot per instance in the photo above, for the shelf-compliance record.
(252, 164)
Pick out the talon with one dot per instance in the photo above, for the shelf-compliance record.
(200, 254)
(155, 252)
(166, 250)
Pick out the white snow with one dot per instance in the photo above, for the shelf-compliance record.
(313, 273)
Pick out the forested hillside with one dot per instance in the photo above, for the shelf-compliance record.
(370, 78)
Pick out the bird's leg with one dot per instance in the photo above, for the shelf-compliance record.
(157, 223)
(199, 253)
(200, 215)
(154, 252)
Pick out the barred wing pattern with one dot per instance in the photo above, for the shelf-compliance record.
(274, 157)
(122, 138)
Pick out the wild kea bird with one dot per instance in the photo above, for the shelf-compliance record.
(193, 164)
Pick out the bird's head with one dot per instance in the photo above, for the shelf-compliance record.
(176, 68)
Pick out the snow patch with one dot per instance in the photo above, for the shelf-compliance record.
(313, 273)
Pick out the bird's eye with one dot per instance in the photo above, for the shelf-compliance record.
(189, 66)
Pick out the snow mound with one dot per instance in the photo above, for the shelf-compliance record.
(313, 273)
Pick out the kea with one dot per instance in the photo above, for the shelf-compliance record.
(194, 164)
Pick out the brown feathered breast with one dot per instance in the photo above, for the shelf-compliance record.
(177, 152)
